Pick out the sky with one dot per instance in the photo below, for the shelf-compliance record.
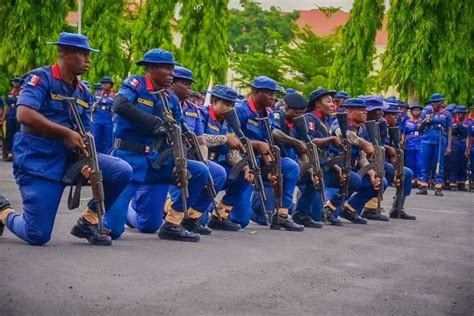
(290, 5)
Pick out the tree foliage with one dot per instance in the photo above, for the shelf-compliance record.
(254, 30)
(430, 48)
(102, 23)
(27, 26)
(308, 61)
(152, 29)
(204, 46)
(354, 60)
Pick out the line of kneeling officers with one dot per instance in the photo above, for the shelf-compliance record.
(140, 174)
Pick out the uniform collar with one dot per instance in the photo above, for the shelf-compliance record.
(318, 114)
(289, 124)
(149, 83)
(441, 111)
(102, 92)
(413, 120)
(14, 90)
(57, 75)
(253, 108)
(212, 114)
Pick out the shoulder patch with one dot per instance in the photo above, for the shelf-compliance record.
(134, 82)
(34, 80)
(311, 126)
(276, 115)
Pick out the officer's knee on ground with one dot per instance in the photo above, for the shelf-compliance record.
(36, 237)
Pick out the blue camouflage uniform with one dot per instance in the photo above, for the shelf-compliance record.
(102, 118)
(411, 130)
(40, 162)
(319, 127)
(456, 161)
(433, 144)
(139, 91)
(255, 130)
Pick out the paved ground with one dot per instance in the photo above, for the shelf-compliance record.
(424, 267)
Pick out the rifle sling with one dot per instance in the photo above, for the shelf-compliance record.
(74, 178)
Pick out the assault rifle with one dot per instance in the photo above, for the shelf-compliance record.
(394, 133)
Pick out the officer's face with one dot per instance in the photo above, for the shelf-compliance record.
(391, 118)
(106, 86)
(182, 89)
(358, 115)
(265, 98)
(375, 115)
(325, 105)
(292, 113)
(161, 74)
(77, 61)
(437, 105)
(416, 112)
(221, 106)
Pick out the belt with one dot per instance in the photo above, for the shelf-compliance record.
(29, 130)
(133, 147)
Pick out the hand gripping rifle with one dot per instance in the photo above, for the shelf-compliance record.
(275, 164)
(378, 162)
(193, 143)
(249, 159)
(394, 133)
(95, 178)
(312, 165)
(176, 149)
(346, 153)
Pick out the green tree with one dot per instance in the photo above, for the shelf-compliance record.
(454, 68)
(254, 30)
(204, 46)
(409, 60)
(152, 29)
(102, 23)
(308, 61)
(354, 60)
(27, 26)
(250, 66)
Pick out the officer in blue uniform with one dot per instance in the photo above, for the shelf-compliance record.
(48, 143)
(145, 209)
(102, 116)
(293, 147)
(224, 149)
(97, 86)
(142, 105)
(435, 144)
(320, 110)
(411, 141)
(391, 116)
(257, 106)
(2, 126)
(456, 161)
(361, 148)
(10, 116)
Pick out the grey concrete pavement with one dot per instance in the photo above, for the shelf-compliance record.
(424, 267)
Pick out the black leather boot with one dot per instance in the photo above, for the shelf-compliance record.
(4, 204)
(170, 231)
(305, 220)
(84, 229)
(330, 218)
(278, 222)
(422, 191)
(222, 224)
(439, 192)
(195, 226)
(373, 215)
(403, 215)
(352, 216)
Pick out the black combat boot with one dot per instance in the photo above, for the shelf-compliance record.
(195, 226)
(453, 187)
(422, 191)
(462, 186)
(301, 218)
(330, 218)
(439, 192)
(222, 224)
(84, 229)
(352, 216)
(403, 215)
(176, 232)
(4, 204)
(278, 222)
(373, 215)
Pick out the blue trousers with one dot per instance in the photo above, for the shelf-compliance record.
(290, 172)
(429, 154)
(102, 131)
(145, 211)
(41, 199)
(471, 159)
(413, 160)
(12, 128)
(115, 219)
(457, 165)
